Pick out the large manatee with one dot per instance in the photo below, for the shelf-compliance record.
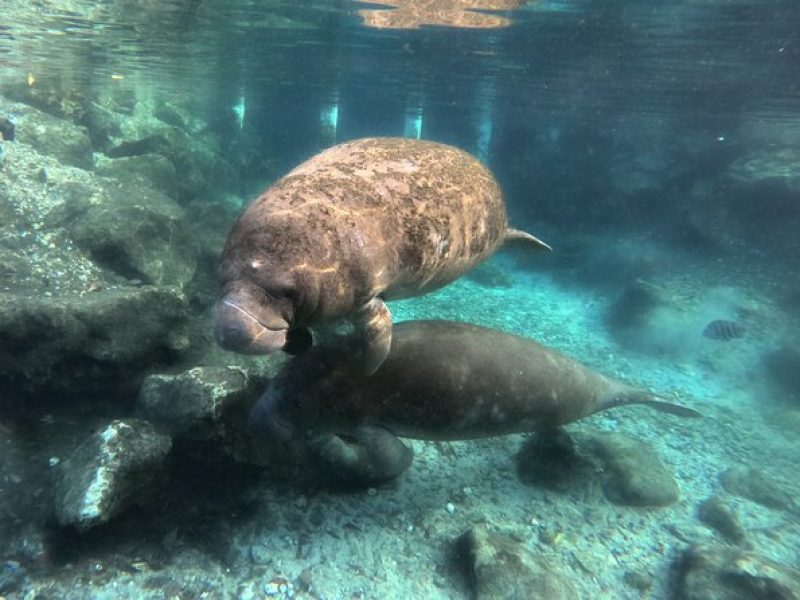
(362, 222)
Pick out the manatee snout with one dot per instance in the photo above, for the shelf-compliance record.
(265, 419)
(239, 330)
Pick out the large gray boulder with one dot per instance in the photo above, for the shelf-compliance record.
(718, 514)
(200, 169)
(752, 483)
(708, 572)
(155, 170)
(95, 340)
(120, 466)
(49, 135)
(756, 198)
(135, 231)
(633, 473)
(501, 568)
(205, 409)
(198, 403)
(76, 253)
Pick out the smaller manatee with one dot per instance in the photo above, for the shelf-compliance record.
(442, 380)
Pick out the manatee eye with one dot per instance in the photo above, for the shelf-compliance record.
(252, 267)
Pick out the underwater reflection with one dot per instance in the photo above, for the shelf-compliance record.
(413, 14)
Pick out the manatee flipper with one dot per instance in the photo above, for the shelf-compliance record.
(298, 341)
(374, 321)
(367, 456)
(517, 236)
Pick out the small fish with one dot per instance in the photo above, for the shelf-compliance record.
(723, 330)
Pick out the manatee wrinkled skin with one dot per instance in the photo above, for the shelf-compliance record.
(442, 380)
(362, 222)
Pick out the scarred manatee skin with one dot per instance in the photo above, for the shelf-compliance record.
(379, 216)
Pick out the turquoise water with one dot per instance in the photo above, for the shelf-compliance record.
(656, 148)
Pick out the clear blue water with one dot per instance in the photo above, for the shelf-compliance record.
(655, 145)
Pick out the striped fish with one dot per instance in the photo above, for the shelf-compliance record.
(723, 330)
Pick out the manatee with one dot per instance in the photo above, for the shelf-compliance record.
(360, 223)
(442, 380)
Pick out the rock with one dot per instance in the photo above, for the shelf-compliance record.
(130, 229)
(72, 320)
(638, 580)
(63, 140)
(12, 575)
(154, 169)
(785, 418)
(31, 545)
(201, 171)
(708, 572)
(178, 116)
(717, 514)
(153, 144)
(759, 192)
(24, 503)
(246, 154)
(782, 367)
(754, 485)
(633, 306)
(120, 131)
(499, 567)
(205, 410)
(199, 403)
(135, 231)
(120, 466)
(102, 123)
(50, 135)
(208, 404)
(650, 318)
(551, 460)
(51, 97)
(85, 343)
(634, 475)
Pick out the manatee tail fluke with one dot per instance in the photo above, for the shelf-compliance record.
(666, 406)
(518, 236)
(647, 399)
